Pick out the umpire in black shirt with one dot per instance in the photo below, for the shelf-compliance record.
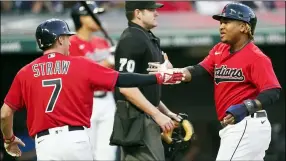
(136, 47)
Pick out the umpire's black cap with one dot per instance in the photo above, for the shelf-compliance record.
(133, 5)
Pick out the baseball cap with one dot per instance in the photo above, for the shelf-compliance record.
(133, 5)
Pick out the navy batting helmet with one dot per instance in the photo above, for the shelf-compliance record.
(238, 11)
(48, 31)
(79, 10)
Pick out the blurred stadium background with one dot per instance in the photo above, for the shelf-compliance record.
(187, 33)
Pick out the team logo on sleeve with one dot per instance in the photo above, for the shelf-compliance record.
(225, 74)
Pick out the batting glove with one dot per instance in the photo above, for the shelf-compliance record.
(170, 76)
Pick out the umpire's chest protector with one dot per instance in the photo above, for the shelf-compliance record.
(139, 46)
(153, 53)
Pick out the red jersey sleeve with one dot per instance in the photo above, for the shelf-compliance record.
(74, 47)
(102, 77)
(209, 62)
(14, 98)
(262, 74)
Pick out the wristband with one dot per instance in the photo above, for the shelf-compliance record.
(159, 78)
(251, 106)
(8, 141)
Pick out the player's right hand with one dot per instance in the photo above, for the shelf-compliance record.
(165, 122)
(170, 76)
(12, 147)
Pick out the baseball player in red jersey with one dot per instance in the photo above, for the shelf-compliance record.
(245, 85)
(57, 91)
(96, 48)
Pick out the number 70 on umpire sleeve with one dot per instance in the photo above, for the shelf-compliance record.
(129, 65)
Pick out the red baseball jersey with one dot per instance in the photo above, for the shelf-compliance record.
(96, 49)
(238, 76)
(57, 90)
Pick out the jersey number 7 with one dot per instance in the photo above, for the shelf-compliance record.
(57, 84)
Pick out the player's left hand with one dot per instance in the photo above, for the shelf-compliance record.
(238, 111)
(167, 62)
(155, 67)
(12, 147)
(228, 120)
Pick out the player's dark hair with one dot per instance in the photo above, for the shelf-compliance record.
(46, 48)
(52, 46)
(248, 30)
(129, 15)
(250, 34)
(49, 47)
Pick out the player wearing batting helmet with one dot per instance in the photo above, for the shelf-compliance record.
(96, 48)
(245, 85)
(57, 91)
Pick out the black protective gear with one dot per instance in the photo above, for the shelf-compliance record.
(238, 11)
(48, 32)
(178, 141)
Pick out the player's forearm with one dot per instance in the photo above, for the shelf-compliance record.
(7, 121)
(134, 79)
(193, 71)
(163, 108)
(106, 64)
(267, 97)
(264, 99)
(135, 96)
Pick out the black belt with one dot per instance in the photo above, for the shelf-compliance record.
(71, 128)
(254, 115)
(100, 95)
(259, 114)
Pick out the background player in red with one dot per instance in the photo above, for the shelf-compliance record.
(96, 48)
(245, 84)
(57, 91)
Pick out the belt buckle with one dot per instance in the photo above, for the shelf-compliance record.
(259, 114)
